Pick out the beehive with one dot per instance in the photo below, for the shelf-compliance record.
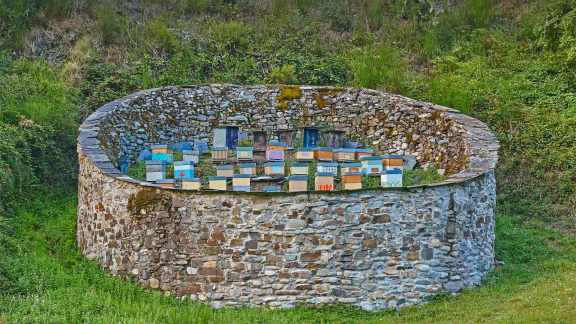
(217, 183)
(244, 153)
(327, 167)
(166, 183)
(393, 161)
(241, 182)
(352, 181)
(323, 154)
(297, 183)
(351, 167)
(324, 182)
(247, 168)
(260, 140)
(183, 170)
(275, 151)
(219, 154)
(300, 168)
(391, 178)
(160, 148)
(274, 169)
(225, 170)
(262, 184)
(344, 154)
(155, 170)
(372, 165)
(219, 137)
(363, 152)
(190, 184)
(305, 154)
(191, 156)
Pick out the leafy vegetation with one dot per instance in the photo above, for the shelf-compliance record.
(509, 63)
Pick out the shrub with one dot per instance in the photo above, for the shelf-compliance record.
(283, 75)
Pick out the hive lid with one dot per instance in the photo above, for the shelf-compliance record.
(392, 156)
(183, 163)
(392, 171)
(324, 174)
(216, 178)
(298, 177)
(155, 162)
(190, 180)
(244, 148)
(274, 164)
(247, 165)
(219, 149)
(225, 167)
(242, 176)
(371, 158)
(351, 164)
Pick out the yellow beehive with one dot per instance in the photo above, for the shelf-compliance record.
(217, 183)
(304, 155)
(190, 184)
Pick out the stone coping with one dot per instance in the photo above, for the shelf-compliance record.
(481, 144)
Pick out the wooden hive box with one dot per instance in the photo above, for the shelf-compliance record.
(191, 156)
(190, 184)
(274, 169)
(327, 167)
(363, 152)
(219, 137)
(155, 170)
(324, 182)
(305, 154)
(323, 154)
(299, 168)
(352, 181)
(219, 154)
(391, 178)
(351, 167)
(247, 168)
(297, 183)
(344, 154)
(372, 165)
(244, 153)
(217, 183)
(183, 170)
(241, 182)
(167, 183)
(225, 170)
(160, 148)
(393, 161)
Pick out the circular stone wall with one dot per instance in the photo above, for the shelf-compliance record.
(375, 248)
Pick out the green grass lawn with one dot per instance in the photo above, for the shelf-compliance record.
(44, 278)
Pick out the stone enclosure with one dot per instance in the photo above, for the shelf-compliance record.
(374, 248)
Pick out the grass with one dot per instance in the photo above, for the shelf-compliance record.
(45, 279)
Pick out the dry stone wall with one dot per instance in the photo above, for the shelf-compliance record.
(376, 249)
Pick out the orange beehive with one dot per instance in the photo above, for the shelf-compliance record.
(352, 181)
(393, 161)
(323, 154)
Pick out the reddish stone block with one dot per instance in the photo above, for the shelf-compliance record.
(310, 256)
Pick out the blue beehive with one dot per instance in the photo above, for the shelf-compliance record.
(183, 170)
(166, 157)
(327, 167)
(145, 155)
(274, 169)
(311, 136)
(391, 178)
(372, 165)
(181, 146)
(201, 146)
(232, 136)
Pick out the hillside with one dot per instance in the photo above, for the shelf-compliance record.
(510, 63)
